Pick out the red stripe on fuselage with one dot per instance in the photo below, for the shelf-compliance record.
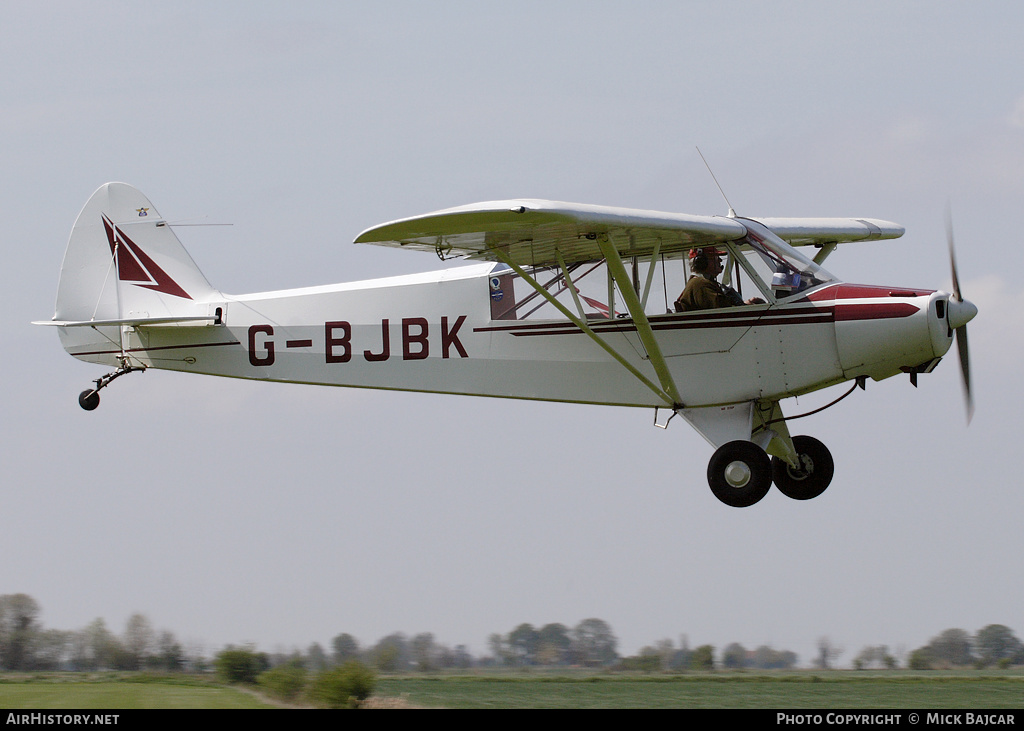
(862, 291)
(875, 311)
(800, 312)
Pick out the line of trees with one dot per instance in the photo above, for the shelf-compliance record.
(591, 643)
(993, 645)
(26, 645)
(666, 657)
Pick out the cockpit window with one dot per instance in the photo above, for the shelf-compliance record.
(761, 268)
(778, 265)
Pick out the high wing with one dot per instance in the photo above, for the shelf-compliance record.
(538, 232)
(819, 231)
(529, 232)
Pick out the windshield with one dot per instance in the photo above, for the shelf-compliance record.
(777, 264)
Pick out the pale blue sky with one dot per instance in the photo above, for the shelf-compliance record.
(231, 511)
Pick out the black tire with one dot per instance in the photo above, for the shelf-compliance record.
(740, 473)
(89, 399)
(815, 475)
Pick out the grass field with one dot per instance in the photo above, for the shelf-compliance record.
(799, 690)
(822, 691)
(56, 691)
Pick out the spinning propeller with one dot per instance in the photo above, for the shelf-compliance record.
(959, 313)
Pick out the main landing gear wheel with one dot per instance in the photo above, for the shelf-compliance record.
(739, 473)
(814, 475)
(89, 399)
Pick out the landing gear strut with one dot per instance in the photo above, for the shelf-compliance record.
(814, 474)
(740, 473)
(89, 399)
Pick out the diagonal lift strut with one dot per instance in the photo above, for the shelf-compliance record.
(636, 311)
(670, 401)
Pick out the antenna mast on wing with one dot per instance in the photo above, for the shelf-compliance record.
(732, 212)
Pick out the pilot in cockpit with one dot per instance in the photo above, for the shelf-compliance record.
(703, 290)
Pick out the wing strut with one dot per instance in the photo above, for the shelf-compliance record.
(570, 285)
(636, 311)
(650, 272)
(670, 401)
(826, 249)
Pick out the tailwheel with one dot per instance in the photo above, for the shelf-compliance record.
(813, 476)
(89, 399)
(739, 473)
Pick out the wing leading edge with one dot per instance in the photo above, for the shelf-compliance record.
(533, 232)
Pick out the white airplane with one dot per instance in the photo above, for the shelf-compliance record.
(520, 326)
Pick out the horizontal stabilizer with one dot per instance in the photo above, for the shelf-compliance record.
(200, 321)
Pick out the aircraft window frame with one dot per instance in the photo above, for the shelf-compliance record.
(736, 254)
(553, 279)
(755, 257)
(780, 259)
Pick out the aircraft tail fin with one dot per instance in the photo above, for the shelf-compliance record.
(124, 264)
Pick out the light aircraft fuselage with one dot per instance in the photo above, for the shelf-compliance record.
(432, 332)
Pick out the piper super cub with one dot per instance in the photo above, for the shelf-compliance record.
(523, 324)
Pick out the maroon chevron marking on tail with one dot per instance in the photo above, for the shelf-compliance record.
(135, 267)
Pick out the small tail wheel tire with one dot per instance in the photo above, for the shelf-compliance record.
(740, 473)
(814, 474)
(89, 399)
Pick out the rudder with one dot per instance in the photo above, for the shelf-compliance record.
(123, 261)
(155, 273)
